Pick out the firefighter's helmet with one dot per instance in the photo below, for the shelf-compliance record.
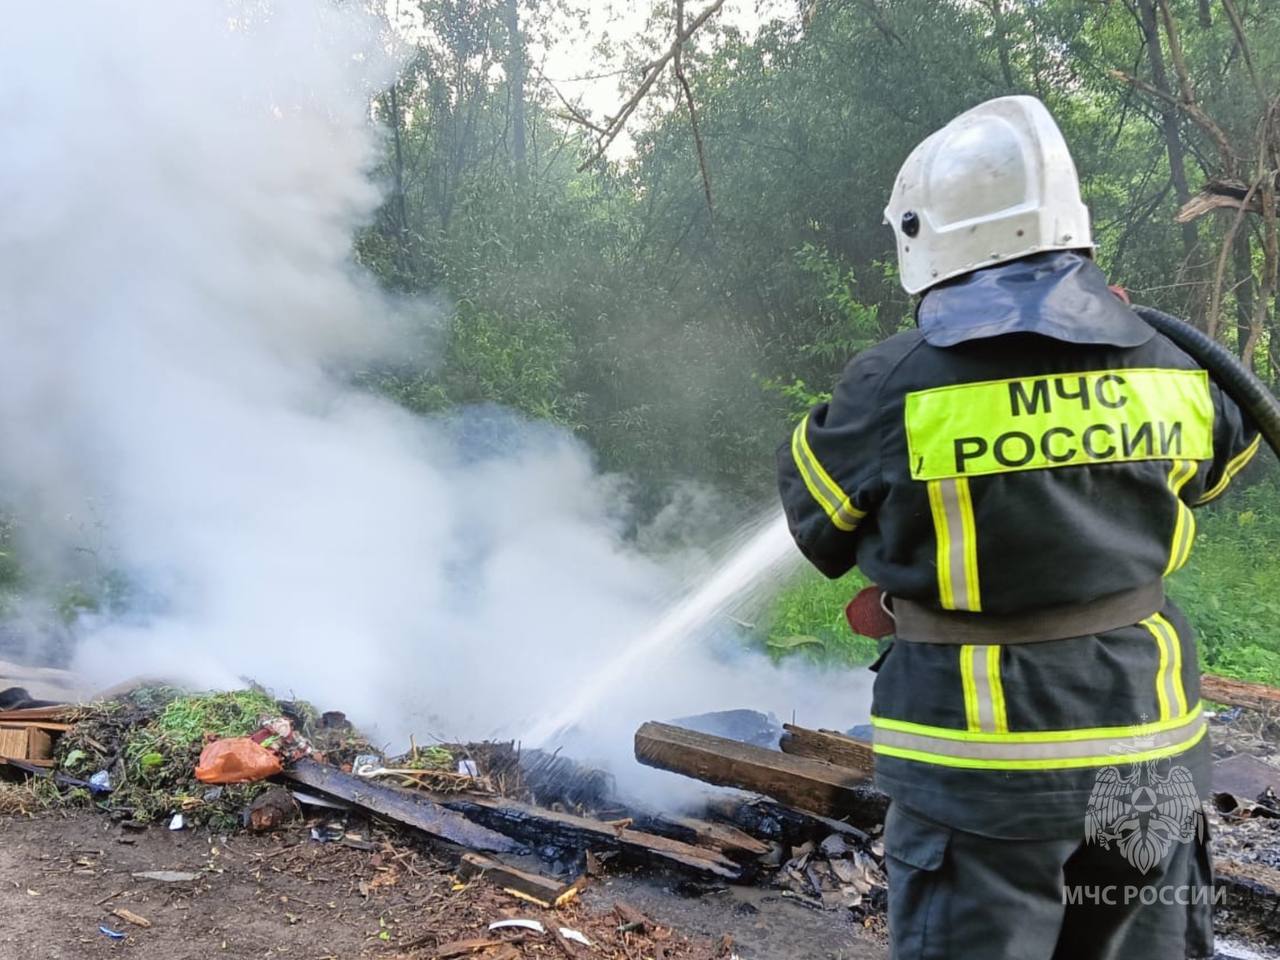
(995, 184)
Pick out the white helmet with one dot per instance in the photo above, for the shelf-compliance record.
(994, 184)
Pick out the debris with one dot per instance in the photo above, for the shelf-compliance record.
(315, 800)
(797, 781)
(166, 876)
(236, 760)
(533, 925)
(541, 826)
(576, 936)
(100, 782)
(630, 919)
(179, 822)
(1245, 776)
(461, 948)
(843, 751)
(271, 810)
(468, 768)
(543, 891)
(128, 916)
(113, 934)
(408, 808)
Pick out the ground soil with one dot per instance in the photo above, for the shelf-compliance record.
(286, 896)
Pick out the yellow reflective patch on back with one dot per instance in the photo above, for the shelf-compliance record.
(1059, 420)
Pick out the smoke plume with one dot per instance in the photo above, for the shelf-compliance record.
(180, 186)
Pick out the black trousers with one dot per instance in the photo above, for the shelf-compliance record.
(955, 895)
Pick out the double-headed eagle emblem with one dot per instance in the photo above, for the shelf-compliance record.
(1143, 814)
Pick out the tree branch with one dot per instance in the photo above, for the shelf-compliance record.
(693, 113)
(652, 72)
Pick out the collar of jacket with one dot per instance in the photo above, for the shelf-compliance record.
(1060, 294)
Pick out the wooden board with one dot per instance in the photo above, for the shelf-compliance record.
(539, 826)
(1239, 693)
(409, 807)
(13, 742)
(801, 782)
(544, 891)
(843, 751)
(495, 825)
(723, 837)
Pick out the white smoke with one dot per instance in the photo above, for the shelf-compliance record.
(179, 187)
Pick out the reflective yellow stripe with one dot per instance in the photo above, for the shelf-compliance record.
(1045, 763)
(834, 501)
(1134, 731)
(942, 532)
(984, 708)
(1233, 467)
(1044, 750)
(970, 692)
(1170, 694)
(997, 689)
(951, 503)
(1184, 528)
(1059, 420)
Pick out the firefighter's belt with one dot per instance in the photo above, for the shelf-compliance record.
(920, 624)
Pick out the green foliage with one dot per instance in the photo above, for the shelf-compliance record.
(807, 621)
(1230, 590)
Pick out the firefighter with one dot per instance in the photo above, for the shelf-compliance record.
(1017, 474)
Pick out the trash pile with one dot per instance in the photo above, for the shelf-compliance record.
(537, 828)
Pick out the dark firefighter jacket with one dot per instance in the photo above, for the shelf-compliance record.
(1048, 457)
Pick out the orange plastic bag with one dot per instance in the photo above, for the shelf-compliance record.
(236, 760)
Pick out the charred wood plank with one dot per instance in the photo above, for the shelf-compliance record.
(539, 827)
(1240, 693)
(811, 785)
(721, 837)
(544, 891)
(787, 825)
(410, 808)
(837, 748)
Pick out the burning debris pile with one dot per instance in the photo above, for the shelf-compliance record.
(537, 829)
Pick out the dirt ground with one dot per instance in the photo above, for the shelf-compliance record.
(286, 896)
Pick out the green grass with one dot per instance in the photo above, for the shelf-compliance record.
(1230, 591)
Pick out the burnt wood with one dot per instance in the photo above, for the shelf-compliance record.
(410, 808)
(801, 782)
(540, 827)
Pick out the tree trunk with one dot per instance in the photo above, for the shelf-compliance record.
(515, 83)
(1243, 253)
(1169, 119)
(401, 207)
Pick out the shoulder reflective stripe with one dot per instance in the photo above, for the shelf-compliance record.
(1045, 763)
(1240, 461)
(1169, 691)
(1184, 527)
(983, 693)
(1040, 736)
(1059, 420)
(1011, 752)
(834, 502)
(951, 504)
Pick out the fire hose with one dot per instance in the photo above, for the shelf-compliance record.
(1230, 374)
